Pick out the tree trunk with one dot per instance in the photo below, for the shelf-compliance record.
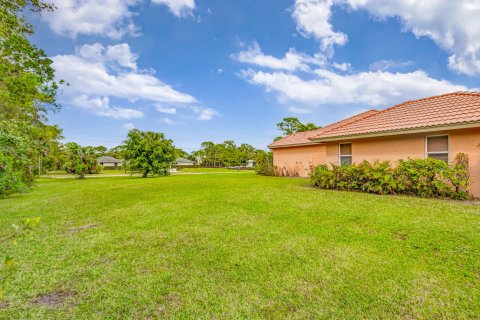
(145, 174)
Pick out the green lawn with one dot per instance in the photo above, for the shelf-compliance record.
(210, 170)
(238, 246)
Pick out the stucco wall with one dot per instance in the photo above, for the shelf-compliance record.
(404, 146)
(469, 143)
(301, 158)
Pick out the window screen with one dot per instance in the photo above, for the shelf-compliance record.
(345, 154)
(437, 148)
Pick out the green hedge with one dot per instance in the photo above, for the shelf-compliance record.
(420, 177)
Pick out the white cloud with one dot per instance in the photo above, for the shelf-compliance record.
(128, 126)
(118, 55)
(313, 19)
(204, 113)
(101, 106)
(167, 110)
(178, 7)
(385, 65)
(292, 60)
(96, 73)
(110, 18)
(453, 25)
(342, 66)
(169, 121)
(299, 110)
(369, 88)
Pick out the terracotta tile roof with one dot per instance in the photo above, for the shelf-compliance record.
(448, 109)
(303, 138)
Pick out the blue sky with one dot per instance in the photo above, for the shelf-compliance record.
(217, 70)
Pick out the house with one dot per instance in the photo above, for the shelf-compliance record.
(250, 163)
(439, 127)
(110, 162)
(184, 163)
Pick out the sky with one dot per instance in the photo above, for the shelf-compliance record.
(215, 70)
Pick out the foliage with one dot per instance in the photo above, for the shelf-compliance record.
(15, 176)
(27, 92)
(149, 152)
(226, 154)
(6, 270)
(81, 160)
(117, 152)
(420, 177)
(264, 163)
(287, 171)
(10, 180)
(291, 125)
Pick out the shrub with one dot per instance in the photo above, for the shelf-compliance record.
(11, 181)
(264, 166)
(286, 171)
(264, 163)
(420, 177)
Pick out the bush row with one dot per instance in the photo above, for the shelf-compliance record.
(420, 177)
(264, 166)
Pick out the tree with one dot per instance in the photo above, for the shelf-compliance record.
(81, 160)
(149, 152)
(101, 150)
(291, 125)
(117, 152)
(224, 154)
(27, 92)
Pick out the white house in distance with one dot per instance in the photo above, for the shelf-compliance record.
(110, 162)
(250, 163)
(184, 163)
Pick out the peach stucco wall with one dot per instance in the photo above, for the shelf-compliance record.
(301, 158)
(404, 146)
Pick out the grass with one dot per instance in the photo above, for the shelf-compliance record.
(238, 246)
(211, 170)
(56, 173)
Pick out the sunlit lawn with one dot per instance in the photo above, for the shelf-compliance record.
(238, 246)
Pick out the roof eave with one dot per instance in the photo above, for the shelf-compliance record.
(457, 126)
(294, 145)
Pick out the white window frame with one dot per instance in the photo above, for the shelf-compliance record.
(344, 155)
(443, 152)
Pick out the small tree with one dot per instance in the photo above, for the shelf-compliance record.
(149, 152)
(264, 163)
(81, 160)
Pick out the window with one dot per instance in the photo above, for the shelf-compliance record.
(345, 154)
(437, 148)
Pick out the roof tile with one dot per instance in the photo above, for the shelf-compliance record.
(303, 138)
(448, 109)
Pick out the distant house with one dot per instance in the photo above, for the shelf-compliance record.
(184, 163)
(250, 163)
(110, 162)
(438, 127)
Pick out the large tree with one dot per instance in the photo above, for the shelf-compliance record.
(27, 90)
(291, 125)
(149, 152)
